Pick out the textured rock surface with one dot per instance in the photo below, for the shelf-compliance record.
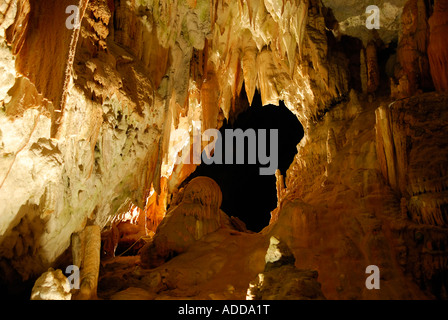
(53, 186)
(218, 266)
(132, 294)
(281, 280)
(86, 247)
(438, 44)
(278, 254)
(346, 209)
(286, 283)
(87, 117)
(197, 214)
(413, 71)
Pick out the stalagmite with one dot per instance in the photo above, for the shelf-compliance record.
(281, 280)
(86, 247)
(197, 214)
(414, 73)
(332, 147)
(51, 285)
(363, 70)
(373, 72)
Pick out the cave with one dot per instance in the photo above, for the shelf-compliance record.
(106, 193)
(247, 194)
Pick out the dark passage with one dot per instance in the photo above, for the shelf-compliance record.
(247, 194)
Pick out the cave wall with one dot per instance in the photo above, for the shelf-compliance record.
(102, 153)
(86, 117)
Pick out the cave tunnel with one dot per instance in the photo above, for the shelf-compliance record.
(247, 194)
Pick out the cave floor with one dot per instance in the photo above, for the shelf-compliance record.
(218, 267)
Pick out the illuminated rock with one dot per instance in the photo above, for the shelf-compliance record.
(278, 254)
(86, 121)
(52, 285)
(438, 44)
(86, 248)
(373, 72)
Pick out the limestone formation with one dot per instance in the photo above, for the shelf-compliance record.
(86, 256)
(197, 214)
(352, 16)
(402, 146)
(109, 241)
(51, 285)
(438, 44)
(412, 50)
(280, 186)
(278, 254)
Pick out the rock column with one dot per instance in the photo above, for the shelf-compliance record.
(438, 45)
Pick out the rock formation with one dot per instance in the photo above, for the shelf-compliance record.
(373, 72)
(197, 214)
(87, 120)
(438, 43)
(412, 50)
(51, 285)
(281, 280)
(86, 256)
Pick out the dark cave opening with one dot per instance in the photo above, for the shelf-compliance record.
(247, 194)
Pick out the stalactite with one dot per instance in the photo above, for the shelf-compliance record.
(209, 100)
(196, 215)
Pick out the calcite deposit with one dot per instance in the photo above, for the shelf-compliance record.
(437, 47)
(281, 280)
(197, 214)
(51, 285)
(88, 170)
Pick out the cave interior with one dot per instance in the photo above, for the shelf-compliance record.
(94, 204)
